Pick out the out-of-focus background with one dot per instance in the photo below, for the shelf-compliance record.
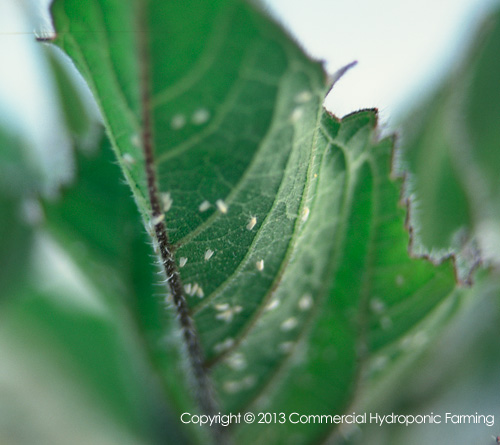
(403, 48)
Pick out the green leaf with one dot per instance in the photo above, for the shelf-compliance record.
(451, 151)
(15, 244)
(98, 225)
(18, 211)
(283, 221)
(74, 110)
(72, 368)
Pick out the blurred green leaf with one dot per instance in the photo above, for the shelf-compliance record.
(72, 370)
(286, 226)
(456, 373)
(15, 243)
(76, 115)
(452, 149)
(17, 211)
(98, 225)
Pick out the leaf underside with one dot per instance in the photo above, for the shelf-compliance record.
(285, 225)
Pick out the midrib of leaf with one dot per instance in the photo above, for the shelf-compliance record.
(204, 392)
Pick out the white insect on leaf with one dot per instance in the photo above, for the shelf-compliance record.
(182, 261)
(200, 116)
(204, 206)
(273, 304)
(199, 292)
(208, 254)
(306, 302)
(289, 324)
(228, 313)
(222, 206)
(167, 201)
(157, 219)
(237, 361)
(260, 265)
(305, 213)
(178, 121)
(251, 224)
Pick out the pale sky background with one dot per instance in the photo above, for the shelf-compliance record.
(402, 48)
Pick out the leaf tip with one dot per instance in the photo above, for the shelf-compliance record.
(335, 77)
